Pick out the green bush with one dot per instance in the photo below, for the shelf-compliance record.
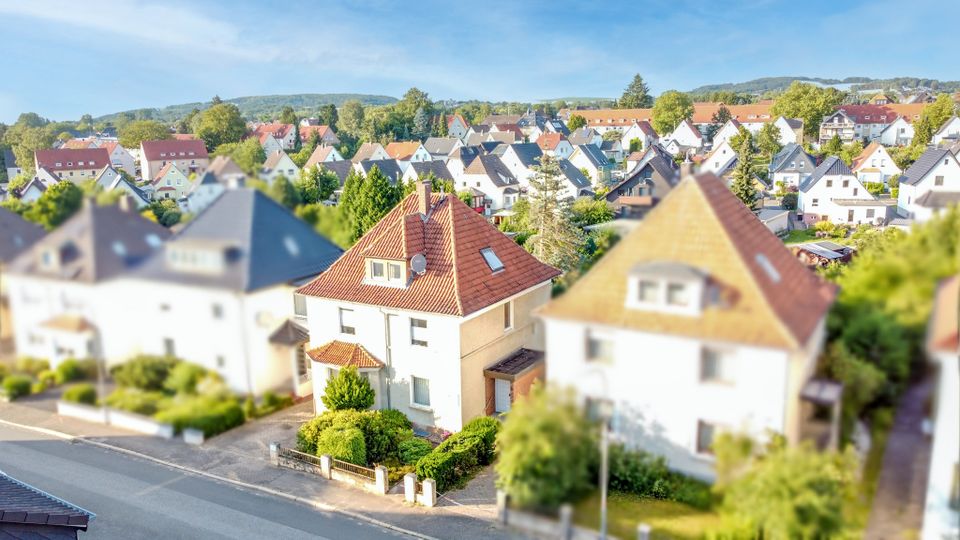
(81, 393)
(16, 386)
(824, 226)
(412, 449)
(486, 428)
(641, 473)
(789, 201)
(74, 370)
(182, 379)
(383, 432)
(439, 466)
(249, 408)
(309, 432)
(463, 452)
(38, 387)
(207, 415)
(343, 443)
(31, 365)
(348, 390)
(271, 403)
(4, 371)
(144, 372)
(135, 401)
(47, 377)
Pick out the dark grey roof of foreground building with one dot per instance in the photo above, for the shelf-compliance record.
(24, 505)
(923, 165)
(261, 242)
(16, 235)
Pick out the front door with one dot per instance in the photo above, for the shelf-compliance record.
(501, 390)
(849, 215)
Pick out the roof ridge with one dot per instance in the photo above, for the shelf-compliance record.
(453, 256)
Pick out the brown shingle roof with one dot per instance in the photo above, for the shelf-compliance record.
(67, 159)
(342, 354)
(174, 148)
(457, 280)
(703, 225)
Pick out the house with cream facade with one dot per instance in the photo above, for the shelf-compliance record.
(683, 332)
(189, 155)
(433, 305)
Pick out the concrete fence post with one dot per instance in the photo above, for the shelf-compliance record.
(410, 487)
(383, 483)
(643, 531)
(429, 493)
(275, 454)
(326, 466)
(502, 501)
(566, 521)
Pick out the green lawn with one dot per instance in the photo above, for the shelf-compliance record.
(625, 511)
(798, 236)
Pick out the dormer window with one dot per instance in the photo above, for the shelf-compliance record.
(678, 295)
(667, 287)
(649, 292)
(385, 272)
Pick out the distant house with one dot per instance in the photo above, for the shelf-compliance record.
(776, 220)
(949, 132)
(420, 170)
(729, 130)
(512, 128)
(138, 196)
(389, 167)
(340, 168)
(791, 166)
(520, 159)
(120, 158)
(407, 152)
(457, 126)
(170, 183)
(866, 122)
(106, 177)
(325, 133)
(204, 191)
(32, 190)
(585, 135)
(433, 306)
(791, 130)
(440, 148)
(555, 144)
(874, 164)
(833, 193)
(279, 164)
(897, 133)
(837, 124)
(322, 154)
(589, 157)
(720, 159)
(76, 166)
(461, 157)
(27, 512)
(227, 171)
(645, 185)
(575, 183)
(270, 144)
(491, 176)
(930, 185)
(612, 150)
(10, 163)
(505, 137)
(640, 131)
(687, 135)
(285, 134)
(189, 156)
(370, 151)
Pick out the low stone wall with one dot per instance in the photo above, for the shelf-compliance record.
(325, 467)
(115, 417)
(88, 413)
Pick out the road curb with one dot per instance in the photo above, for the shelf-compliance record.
(302, 500)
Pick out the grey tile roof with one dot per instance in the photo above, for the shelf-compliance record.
(493, 167)
(529, 154)
(438, 168)
(574, 175)
(97, 243)
(16, 235)
(938, 199)
(440, 145)
(388, 167)
(781, 158)
(490, 147)
(466, 154)
(831, 166)
(794, 123)
(581, 136)
(22, 503)
(559, 127)
(923, 165)
(9, 160)
(594, 154)
(340, 168)
(264, 243)
(611, 146)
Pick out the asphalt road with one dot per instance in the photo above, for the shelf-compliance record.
(135, 498)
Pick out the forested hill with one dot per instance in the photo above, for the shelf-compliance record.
(254, 106)
(773, 84)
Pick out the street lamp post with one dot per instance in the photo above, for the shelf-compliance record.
(604, 472)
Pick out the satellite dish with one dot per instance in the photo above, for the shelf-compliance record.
(418, 263)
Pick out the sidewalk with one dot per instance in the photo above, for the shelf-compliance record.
(242, 455)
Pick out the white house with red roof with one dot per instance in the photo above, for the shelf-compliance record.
(285, 134)
(279, 164)
(641, 131)
(555, 144)
(686, 135)
(868, 121)
(120, 158)
(75, 165)
(325, 133)
(434, 306)
(170, 183)
(457, 126)
(322, 154)
(874, 164)
(189, 155)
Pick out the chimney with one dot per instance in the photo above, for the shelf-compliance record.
(423, 197)
(125, 203)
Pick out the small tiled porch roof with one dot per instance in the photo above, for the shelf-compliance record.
(289, 333)
(338, 353)
(514, 365)
(68, 323)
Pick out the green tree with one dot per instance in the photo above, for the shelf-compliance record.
(743, 172)
(316, 185)
(374, 199)
(768, 141)
(347, 390)
(586, 211)
(185, 124)
(809, 103)
(832, 147)
(284, 192)
(220, 124)
(142, 130)
(248, 154)
(671, 108)
(351, 119)
(327, 115)
(576, 122)
(546, 448)
(288, 115)
(56, 205)
(556, 240)
(329, 221)
(636, 95)
(421, 124)
(719, 118)
(932, 118)
(25, 139)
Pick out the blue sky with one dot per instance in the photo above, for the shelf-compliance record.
(63, 58)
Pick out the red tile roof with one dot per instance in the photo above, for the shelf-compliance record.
(862, 157)
(184, 136)
(402, 150)
(277, 130)
(342, 354)
(174, 149)
(549, 141)
(457, 280)
(70, 159)
(883, 114)
(322, 131)
(451, 117)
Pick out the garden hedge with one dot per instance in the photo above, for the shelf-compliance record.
(641, 473)
(74, 370)
(16, 386)
(135, 401)
(343, 443)
(207, 415)
(486, 428)
(31, 366)
(412, 449)
(463, 452)
(144, 372)
(81, 393)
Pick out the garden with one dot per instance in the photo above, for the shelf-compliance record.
(30, 376)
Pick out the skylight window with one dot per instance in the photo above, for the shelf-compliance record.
(291, 245)
(119, 249)
(768, 268)
(153, 240)
(492, 260)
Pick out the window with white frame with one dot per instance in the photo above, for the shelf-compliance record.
(377, 270)
(418, 332)
(299, 306)
(677, 295)
(508, 315)
(649, 292)
(715, 365)
(347, 325)
(599, 347)
(705, 434)
(421, 391)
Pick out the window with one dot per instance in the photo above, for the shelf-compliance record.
(418, 332)
(393, 272)
(221, 361)
(846, 183)
(303, 363)
(870, 213)
(217, 311)
(677, 294)
(169, 347)
(376, 270)
(855, 190)
(599, 348)
(421, 392)
(829, 183)
(938, 181)
(649, 292)
(705, 434)
(299, 306)
(346, 322)
(164, 307)
(714, 365)
(815, 202)
(492, 260)
(508, 315)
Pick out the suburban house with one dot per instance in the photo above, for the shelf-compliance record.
(27, 512)
(461, 158)
(752, 115)
(612, 149)
(16, 236)
(407, 152)
(422, 170)
(370, 151)
(489, 175)
(340, 168)
(279, 164)
(686, 135)
(106, 176)
(59, 289)
(457, 126)
(948, 133)
(589, 158)
(511, 128)
(227, 171)
(898, 133)
(874, 164)
(189, 155)
(33, 189)
(941, 518)
(791, 166)
(324, 133)
(520, 158)
(575, 183)
(170, 183)
(205, 190)
(390, 168)
(555, 144)
(10, 163)
(504, 137)
(868, 122)
(791, 130)
(285, 134)
(720, 160)
(110, 180)
(76, 166)
(440, 148)
(833, 193)
(120, 158)
(433, 305)
(729, 129)
(269, 143)
(322, 154)
(585, 135)
(640, 131)
(645, 185)
(220, 294)
(931, 184)
(687, 329)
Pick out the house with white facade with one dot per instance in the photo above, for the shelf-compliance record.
(575, 183)
(949, 132)
(589, 158)
(284, 134)
(585, 135)
(555, 144)
(791, 130)
(106, 177)
(423, 170)
(120, 158)
(407, 152)
(684, 332)
(434, 306)
(227, 171)
(687, 135)
(521, 158)
(440, 148)
(941, 517)
(74, 165)
(205, 190)
(322, 154)
(874, 164)
(279, 164)
(10, 164)
(721, 159)
(325, 134)
(461, 158)
(390, 168)
(730, 129)
(897, 133)
(489, 175)
(640, 131)
(457, 126)
(834, 193)
(370, 151)
(33, 190)
(791, 166)
(930, 185)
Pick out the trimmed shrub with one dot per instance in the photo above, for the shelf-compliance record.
(641, 473)
(486, 428)
(383, 432)
(31, 365)
(183, 377)
(207, 415)
(38, 387)
(348, 390)
(439, 466)
(412, 449)
(343, 443)
(16, 386)
(74, 370)
(309, 432)
(249, 408)
(47, 377)
(271, 403)
(463, 452)
(81, 393)
(135, 401)
(144, 372)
